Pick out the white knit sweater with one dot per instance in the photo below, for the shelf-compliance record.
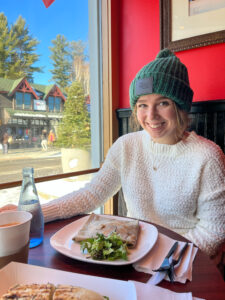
(181, 186)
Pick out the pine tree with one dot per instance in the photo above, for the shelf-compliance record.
(17, 50)
(4, 34)
(74, 130)
(7, 41)
(61, 61)
(23, 55)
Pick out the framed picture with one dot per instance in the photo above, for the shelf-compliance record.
(186, 24)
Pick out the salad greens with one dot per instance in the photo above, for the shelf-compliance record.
(109, 247)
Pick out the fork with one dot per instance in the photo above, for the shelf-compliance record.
(167, 260)
(175, 262)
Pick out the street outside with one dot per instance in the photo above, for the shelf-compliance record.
(44, 163)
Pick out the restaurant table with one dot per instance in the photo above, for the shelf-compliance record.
(207, 281)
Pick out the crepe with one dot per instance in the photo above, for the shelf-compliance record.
(127, 229)
(30, 291)
(50, 292)
(64, 292)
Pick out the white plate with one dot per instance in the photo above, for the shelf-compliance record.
(17, 273)
(63, 243)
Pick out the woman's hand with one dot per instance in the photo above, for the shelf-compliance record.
(8, 207)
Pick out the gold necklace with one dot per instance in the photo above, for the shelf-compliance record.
(185, 135)
(156, 165)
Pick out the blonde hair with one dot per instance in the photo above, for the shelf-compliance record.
(134, 124)
(182, 120)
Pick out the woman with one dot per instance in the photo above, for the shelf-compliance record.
(51, 138)
(5, 143)
(168, 176)
(44, 142)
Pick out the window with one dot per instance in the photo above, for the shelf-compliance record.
(27, 101)
(86, 16)
(50, 103)
(19, 100)
(57, 104)
(54, 104)
(23, 101)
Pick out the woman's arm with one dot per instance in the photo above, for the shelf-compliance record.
(102, 187)
(209, 232)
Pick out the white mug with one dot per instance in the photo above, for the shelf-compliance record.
(14, 236)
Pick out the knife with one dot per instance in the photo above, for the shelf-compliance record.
(160, 275)
(157, 277)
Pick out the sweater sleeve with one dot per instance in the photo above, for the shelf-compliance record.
(101, 188)
(209, 232)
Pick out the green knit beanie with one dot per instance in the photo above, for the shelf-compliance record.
(165, 75)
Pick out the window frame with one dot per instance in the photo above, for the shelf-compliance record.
(56, 104)
(24, 106)
(53, 100)
(108, 122)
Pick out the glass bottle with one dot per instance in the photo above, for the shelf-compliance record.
(29, 201)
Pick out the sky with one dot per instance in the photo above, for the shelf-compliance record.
(66, 17)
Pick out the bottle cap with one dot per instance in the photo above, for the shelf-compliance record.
(28, 171)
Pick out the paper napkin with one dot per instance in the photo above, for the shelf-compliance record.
(155, 257)
(146, 291)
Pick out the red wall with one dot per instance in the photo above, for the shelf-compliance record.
(139, 43)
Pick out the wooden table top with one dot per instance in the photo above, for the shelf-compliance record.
(207, 281)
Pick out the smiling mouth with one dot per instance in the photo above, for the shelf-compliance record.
(154, 126)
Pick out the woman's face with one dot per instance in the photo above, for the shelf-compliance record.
(156, 114)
